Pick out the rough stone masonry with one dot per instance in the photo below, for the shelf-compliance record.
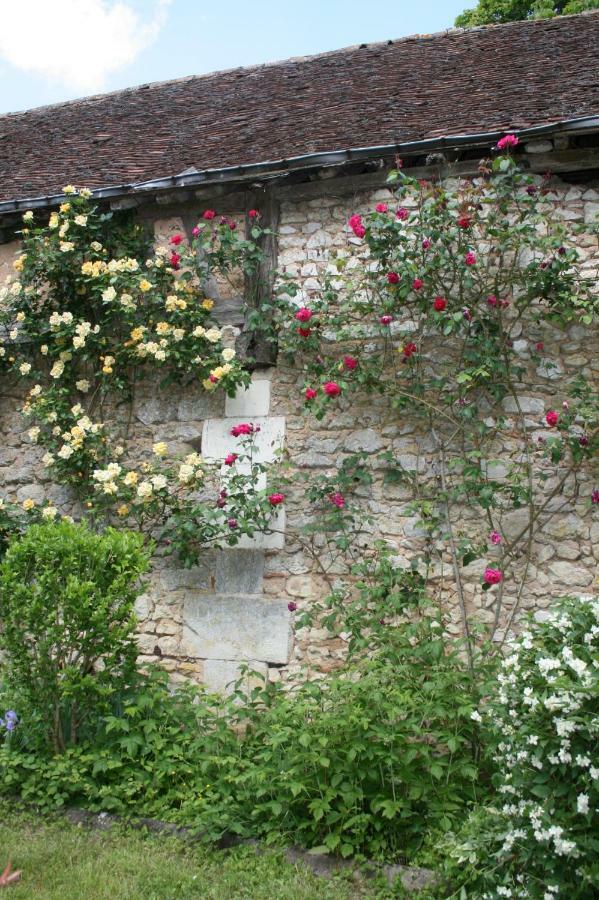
(232, 609)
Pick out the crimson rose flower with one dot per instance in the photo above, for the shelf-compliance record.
(417, 284)
(230, 458)
(275, 499)
(492, 576)
(304, 314)
(552, 418)
(176, 239)
(393, 277)
(310, 393)
(440, 304)
(350, 362)
(331, 388)
(209, 214)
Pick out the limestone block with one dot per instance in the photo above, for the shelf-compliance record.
(367, 439)
(157, 409)
(217, 440)
(527, 405)
(591, 212)
(241, 627)
(570, 574)
(239, 571)
(249, 402)
(272, 540)
(220, 675)
(197, 404)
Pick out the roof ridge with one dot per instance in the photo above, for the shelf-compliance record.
(448, 32)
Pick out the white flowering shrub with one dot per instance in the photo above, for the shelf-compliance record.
(541, 836)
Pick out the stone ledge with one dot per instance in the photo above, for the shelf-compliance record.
(239, 627)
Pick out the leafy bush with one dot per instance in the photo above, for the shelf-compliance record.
(150, 756)
(66, 607)
(539, 838)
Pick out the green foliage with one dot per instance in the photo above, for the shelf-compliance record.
(151, 755)
(494, 12)
(538, 839)
(66, 605)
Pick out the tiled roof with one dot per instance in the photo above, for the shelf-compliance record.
(457, 82)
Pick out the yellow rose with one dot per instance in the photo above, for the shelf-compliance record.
(69, 189)
(144, 285)
(28, 504)
(160, 448)
(64, 207)
(123, 510)
(207, 304)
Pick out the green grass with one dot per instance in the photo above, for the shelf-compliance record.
(65, 862)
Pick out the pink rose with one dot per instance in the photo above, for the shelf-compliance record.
(310, 393)
(195, 231)
(417, 284)
(470, 258)
(244, 428)
(508, 141)
(393, 277)
(253, 214)
(337, 499)
(176, 239)
(426, 244)
(552, 418)
(495, 537)
(232, 523)
(304, 314)
(291, 606)
(230, 459)
(401, 214)
(382, 207)
(492, 300)
(209, 214)
(275, 499)
(331, 388)
(355, 223)
(350, 362)
(492, 576)
(359, 231)
(386, 320)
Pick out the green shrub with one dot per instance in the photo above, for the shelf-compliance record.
(66, 608)
(151, 756)
(539, 838)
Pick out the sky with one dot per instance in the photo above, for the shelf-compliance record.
(56, 50)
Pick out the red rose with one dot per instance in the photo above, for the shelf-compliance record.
(275, 499)
(331, 388)
(386, 320)
(244, 428)
(304, 332)
(337, 499)
(359, 231)
(310, 393)
(440, 304)
(464, 222)
(355, 223)
(175, 259)
(291, 606)
(492, 576)
(492, 300)
(539, 346)
(426, 244)
(552, 418)
(232, 523)
(304, 314)
(409, 350)
(381, 207)
(230, 459)
(209, 214)
(470, 258)
(417, 284)
(176, 239)
(253, 214)
(350, 362)
(401, 214)
(393, 277)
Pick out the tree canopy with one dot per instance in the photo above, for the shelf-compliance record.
(495, 12)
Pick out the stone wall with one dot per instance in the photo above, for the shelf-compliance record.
(202, 623)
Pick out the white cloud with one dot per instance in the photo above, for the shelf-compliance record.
(77, 42)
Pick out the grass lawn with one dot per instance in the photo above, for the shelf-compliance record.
(64, 862)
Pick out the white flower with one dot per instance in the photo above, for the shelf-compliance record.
(34, 433)
(185, 473)
(28, 216)
(57, 369)
(49, 512)
(81, 220)
(65, 451)
(582, 804)
(159, 482)
(212, 335)
(160, 448)
(228, 354)
(66, 246)
(48, 459)
(82, 385)
(476, 716)
(145, 490)
(25, 368)
(108, 294)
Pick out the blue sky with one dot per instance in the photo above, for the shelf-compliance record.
(54, 50)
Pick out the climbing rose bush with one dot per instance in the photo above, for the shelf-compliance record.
(539, 838)
(93, 311)
(452, 304)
